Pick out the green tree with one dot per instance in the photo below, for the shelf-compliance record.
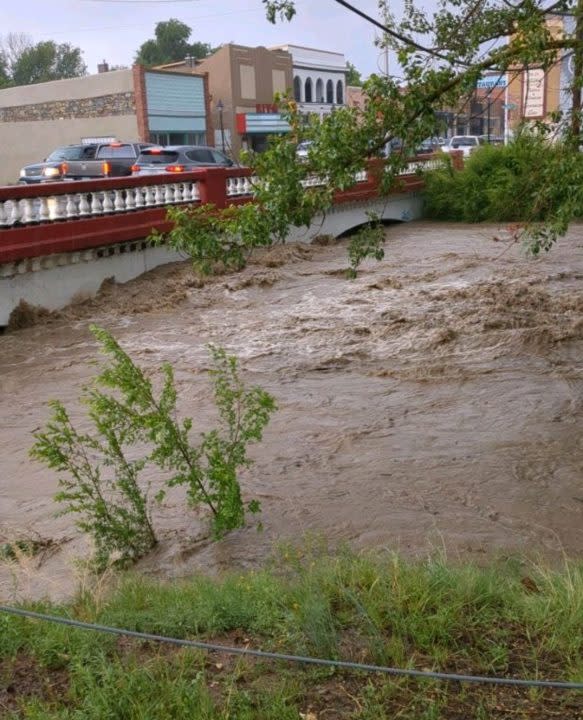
(4, 76)
(22, 62)
(442, 55)
(47, 61)
(353, 77)
(171, 44)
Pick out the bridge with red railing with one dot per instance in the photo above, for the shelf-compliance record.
(61, 239)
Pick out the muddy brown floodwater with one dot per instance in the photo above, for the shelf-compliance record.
(435, 401)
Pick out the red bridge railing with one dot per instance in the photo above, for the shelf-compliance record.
(38, 220)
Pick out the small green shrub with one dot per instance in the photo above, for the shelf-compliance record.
(101, 484)
(366, 243)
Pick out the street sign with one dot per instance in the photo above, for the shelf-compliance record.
(492, 81)
(509, 106)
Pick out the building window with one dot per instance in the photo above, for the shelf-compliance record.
(330, 92)
(308, 90)
(278, 78)
(339, 93)
(297, 89)
(247, 77)
(319, 91)
(178, 138)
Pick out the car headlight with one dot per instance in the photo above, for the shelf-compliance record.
(23, 173)
(51, 172)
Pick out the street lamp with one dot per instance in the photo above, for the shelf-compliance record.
(220, 108)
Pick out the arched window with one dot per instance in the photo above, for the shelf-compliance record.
(297, 89)
(339, 93)
(319, 90)
(308, 90)
(330, 92)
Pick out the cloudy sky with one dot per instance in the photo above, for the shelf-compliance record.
(114, 29)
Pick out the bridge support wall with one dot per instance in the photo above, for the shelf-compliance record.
(55, 281)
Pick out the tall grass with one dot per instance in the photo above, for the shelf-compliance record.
(503, 619)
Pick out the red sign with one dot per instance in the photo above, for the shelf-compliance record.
(266, 108)
(241, 121)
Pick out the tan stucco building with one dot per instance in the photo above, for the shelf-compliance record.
(245, 80)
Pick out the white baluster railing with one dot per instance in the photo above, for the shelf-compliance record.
(61, 206)
(243, 185)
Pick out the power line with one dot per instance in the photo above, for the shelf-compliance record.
(340, 664)
(393, 33)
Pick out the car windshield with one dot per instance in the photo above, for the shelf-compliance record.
(157, 157)
(464, 141)
(116, 151)
(75, 152)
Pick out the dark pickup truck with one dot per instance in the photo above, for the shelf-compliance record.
(84, 162)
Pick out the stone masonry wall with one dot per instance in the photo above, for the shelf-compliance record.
(103, 106)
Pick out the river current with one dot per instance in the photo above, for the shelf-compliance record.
(434, 403)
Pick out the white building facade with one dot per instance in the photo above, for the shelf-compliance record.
(319, 82)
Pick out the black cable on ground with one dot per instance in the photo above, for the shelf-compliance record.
(339, 664)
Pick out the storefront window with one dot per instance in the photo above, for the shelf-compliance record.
(178, 138)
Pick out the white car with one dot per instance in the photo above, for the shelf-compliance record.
(466, 143)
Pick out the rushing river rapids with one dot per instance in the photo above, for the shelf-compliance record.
(434, 401)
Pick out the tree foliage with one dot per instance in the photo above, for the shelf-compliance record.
(23, 62)
(288, 193)
(4, 76)
(491, 175)
(353, 77)
(171, 44)
(442, 54)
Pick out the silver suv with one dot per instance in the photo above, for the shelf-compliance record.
(178, 159)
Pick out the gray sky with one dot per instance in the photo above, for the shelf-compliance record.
(114, 29)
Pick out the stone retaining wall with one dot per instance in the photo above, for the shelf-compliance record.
(103, 106)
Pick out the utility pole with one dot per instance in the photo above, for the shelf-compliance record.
(220, 108)
(385, 17)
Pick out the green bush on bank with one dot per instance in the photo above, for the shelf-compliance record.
(519, 182)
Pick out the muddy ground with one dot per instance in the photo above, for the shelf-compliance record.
(433, 402)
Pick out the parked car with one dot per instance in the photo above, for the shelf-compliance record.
(178, 158)
(53, 167)
(303, 149)
(428, 146)
(466, 143)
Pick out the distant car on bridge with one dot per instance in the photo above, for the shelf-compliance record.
(85, 162)
(466, 143)
(52, 168)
